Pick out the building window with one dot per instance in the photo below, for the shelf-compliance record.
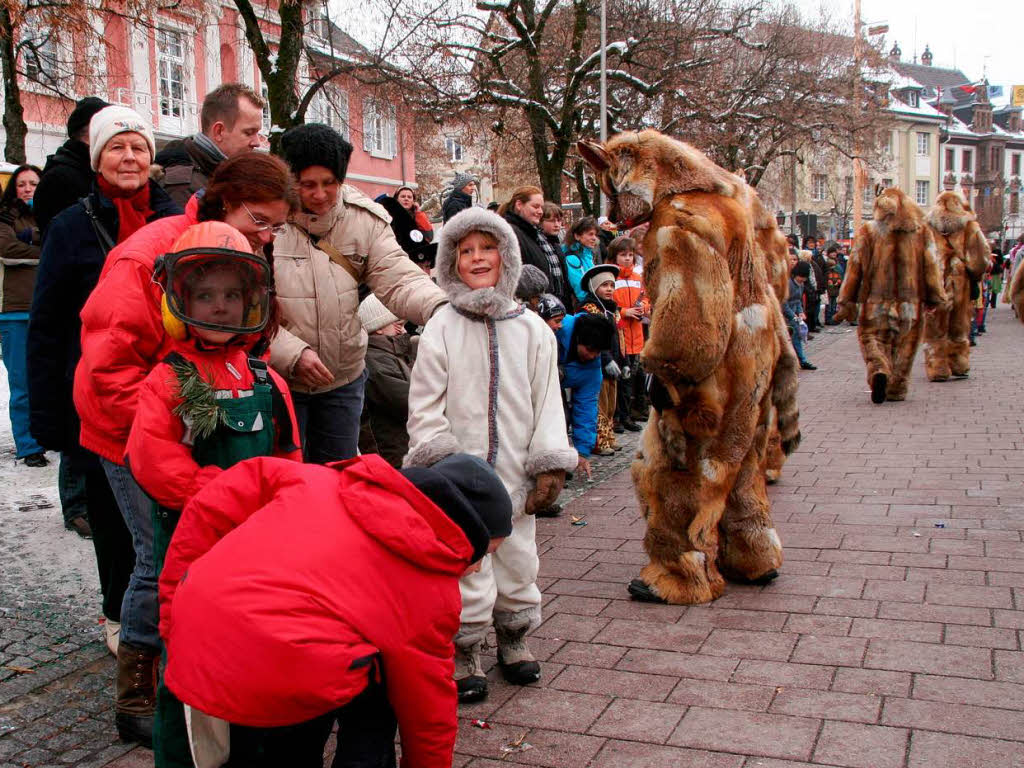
(888, 142)
(330, 107)
(869, 193)
(924, 144)
(922, 196)
(1014, 202)
(39, 55)
(1015, 164)
(965, 161)
(950, 160)
(886, 183)
(379, 130)
(994, 159)
(265, 94)
(454, 149)
(170, 51)
(319, 24)
(913, 98)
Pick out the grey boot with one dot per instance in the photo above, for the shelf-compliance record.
(518, 665)
(470, 680)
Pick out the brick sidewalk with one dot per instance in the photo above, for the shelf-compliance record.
(892, 637)
(888, 641)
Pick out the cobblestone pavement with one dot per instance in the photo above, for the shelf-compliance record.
(891, 639)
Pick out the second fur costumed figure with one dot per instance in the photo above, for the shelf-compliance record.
(499, 399)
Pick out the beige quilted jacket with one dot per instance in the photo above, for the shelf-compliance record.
(319, 299)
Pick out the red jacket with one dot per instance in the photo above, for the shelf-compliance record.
(159, 457)
(284, 580)
(123, 336)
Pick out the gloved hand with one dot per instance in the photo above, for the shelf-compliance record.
(545, 492)
(25, 235)
(612, 370)
(627, 372)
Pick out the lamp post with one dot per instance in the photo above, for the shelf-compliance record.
(604, 88)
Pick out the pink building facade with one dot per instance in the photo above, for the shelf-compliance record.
(165, 70)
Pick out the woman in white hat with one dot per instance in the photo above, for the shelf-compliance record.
(123, 200)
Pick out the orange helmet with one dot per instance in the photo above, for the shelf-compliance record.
(211, 279)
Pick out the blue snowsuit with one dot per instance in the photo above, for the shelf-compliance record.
(584, 379)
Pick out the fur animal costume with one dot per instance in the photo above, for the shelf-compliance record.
(716, 336)
(772, 247)
(963, 256)
(893, 271)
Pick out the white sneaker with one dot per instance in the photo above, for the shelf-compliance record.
(111, 634)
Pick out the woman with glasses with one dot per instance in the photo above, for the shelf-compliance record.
(123, 339)
(339, 242)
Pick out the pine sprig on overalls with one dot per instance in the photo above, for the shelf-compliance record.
(198, 407)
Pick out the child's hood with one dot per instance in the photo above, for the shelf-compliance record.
(492, 302)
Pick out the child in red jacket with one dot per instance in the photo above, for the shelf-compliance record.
(282, 616)
(211, 403)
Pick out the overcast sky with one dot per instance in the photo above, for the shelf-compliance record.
(968, 36)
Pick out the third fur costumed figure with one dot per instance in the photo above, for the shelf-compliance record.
(893, 273)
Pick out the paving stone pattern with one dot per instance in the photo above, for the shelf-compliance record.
(891, 639)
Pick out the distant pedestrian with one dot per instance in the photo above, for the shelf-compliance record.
(461, 197)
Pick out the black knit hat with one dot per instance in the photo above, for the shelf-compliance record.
(801, 269)
(594, 331)
(83, 112)
(316, 144)
(469, 491)
(550, 307)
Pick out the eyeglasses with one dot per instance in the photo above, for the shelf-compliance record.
(264, 226)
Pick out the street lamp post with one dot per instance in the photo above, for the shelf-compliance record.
(604, 87)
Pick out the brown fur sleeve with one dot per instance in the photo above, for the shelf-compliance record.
(849, 292)
(976, 251)
(933, 294)
(1017, 292)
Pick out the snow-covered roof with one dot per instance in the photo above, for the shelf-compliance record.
(922, 110)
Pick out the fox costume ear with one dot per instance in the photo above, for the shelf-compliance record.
(595, 155)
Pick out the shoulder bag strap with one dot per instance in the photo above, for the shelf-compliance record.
(106, 241)
(322, 244)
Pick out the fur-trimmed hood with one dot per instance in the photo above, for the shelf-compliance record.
(950, 213)
(492, 302)
(896, 212)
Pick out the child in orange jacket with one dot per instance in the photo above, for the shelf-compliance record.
(634, 310)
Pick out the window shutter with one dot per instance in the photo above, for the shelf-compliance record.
(392, 137)
(367, 125)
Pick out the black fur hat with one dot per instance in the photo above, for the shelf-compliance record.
(316, 144)
(594, 331)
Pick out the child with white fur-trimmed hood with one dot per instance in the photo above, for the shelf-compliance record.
(486, 383)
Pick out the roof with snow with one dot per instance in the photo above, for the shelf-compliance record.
(932, 78)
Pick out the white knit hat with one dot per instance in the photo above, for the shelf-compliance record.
(374, 315)
(109, 122)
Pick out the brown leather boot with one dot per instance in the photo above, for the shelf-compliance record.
(136, 693)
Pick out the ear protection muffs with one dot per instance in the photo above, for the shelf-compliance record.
(176, 329)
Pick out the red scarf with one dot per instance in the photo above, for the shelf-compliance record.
(132, 207)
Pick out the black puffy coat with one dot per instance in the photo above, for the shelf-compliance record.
(403, 224)
(455, 202)
(66, 179)
(69, 268)
(532, 253)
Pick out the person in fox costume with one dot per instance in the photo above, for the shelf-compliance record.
(963, 256)
(718, 351)
(893, 274)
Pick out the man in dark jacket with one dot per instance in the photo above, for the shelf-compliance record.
(230, 120)
(461, 198)
(793, 310)
(67, 176)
